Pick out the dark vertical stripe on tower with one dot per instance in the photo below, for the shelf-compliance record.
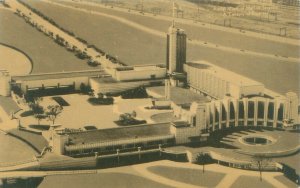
(168, 49)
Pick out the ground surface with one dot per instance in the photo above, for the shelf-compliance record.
(81, 113)
(20, 151)
(213, 12)
(149, 46)
(190, 176)
(14, 61)
(174, 175)
(46, 56)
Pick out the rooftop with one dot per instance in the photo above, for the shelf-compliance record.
(58, 75)
(224, 74)
(110, 85)
(180, 124)
(121, 133)
(180, 96)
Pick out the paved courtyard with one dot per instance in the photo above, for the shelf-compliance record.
(81, 113)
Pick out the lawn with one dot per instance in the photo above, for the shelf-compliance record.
(46, 55)
(36, 141)
(115, 180)
(20, 151)
(190, 176)
(286, 181)
(135, 47)
(250, 182)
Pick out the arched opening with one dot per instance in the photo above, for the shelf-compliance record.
(241, 113)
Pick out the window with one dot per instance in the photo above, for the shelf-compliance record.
(194, 121)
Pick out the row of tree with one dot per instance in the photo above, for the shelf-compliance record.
(59, 40)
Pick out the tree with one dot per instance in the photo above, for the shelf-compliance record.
(35, 105)
(203, 159)
(39, 117)
(261, 161)
(53, 111)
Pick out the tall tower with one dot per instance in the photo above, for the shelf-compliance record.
(176, 48)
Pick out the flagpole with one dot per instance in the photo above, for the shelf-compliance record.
(173, 14)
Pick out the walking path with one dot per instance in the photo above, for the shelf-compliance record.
(142, 170)
(162, 35)
(231, 174)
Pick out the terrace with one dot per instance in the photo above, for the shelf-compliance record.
(180, 96)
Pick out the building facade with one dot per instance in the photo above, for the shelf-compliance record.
(5, 80)
(176, 49)
(218, 83)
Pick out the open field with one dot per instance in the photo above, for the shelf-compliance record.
(190, 176)
(135, 47)
(197, 32)
(249, 182)
(213, 12)
(116, 180)
(45, 54)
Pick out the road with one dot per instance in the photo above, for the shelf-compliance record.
(15, 5)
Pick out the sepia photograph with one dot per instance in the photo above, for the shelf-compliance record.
(149, 93)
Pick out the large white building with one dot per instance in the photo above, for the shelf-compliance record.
(217, 82)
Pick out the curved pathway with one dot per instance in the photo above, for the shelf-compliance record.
(162, 34)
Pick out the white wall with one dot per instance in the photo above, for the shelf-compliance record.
(252, 90)
(5, 84)
(54, 82)
(140, 74)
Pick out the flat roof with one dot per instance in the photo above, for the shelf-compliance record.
(9, 105)
(180, 96)
(120, 133)
(224, 74)
(110, 85)
(58, 75)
